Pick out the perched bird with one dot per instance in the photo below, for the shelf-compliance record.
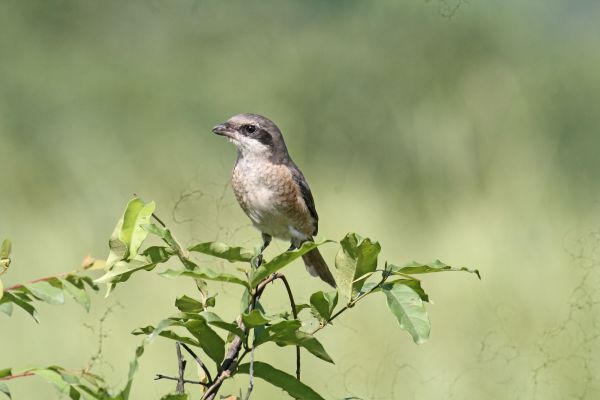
(271, 189)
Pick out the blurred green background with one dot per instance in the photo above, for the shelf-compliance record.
(466, 132)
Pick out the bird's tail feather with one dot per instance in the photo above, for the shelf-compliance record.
(316, 266)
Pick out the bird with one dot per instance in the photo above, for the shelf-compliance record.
(271, 189)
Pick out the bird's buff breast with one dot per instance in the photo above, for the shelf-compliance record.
(268, 195)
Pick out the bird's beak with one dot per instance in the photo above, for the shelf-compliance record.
(223, 130)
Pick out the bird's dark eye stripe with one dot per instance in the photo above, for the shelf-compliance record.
(265, 138)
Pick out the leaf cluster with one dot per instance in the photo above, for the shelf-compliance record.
(227, 341)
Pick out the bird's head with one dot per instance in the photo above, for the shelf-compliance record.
(254, 136)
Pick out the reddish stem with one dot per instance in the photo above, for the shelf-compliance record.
(20, 285)
(8, 378)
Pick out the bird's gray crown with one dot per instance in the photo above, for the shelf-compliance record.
(244, 128)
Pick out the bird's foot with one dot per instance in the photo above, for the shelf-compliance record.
(292, 247)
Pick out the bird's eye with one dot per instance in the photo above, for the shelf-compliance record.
(249, 128)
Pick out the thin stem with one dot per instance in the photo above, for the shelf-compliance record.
(172, 378)
(251, 372)
(352, 303)
(159, 220)
(198, 360)
(229, 365)
(9, 377)
(295, 314)
(47, 278)
(182, 254)
(180, 389)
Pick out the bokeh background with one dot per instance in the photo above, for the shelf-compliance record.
(466, 132)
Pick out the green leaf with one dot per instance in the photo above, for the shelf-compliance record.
(21, 303)
(212, 344)
(309, 342)
(5, 372)
(214, 320)
(187, 304)
(210, 301)
(46, 292)
(287, 333)
(222, 250)
(148, 330)
(245, 301)
(409, 310)
(74, 394)
(121, 271)
(281, 379)
(436, 266)
(132, 233)
(162, 325)
(354, 262)
(77, 293)
(300, 307)
(6, 308)
(157, 254)
(281, 261)
(324, 303)
(413, 284)
(4, 390)
(278, 331)
(90, 282)
(205, 273)
(54, 378)
(5, 249)
(1, 289)
(254, 318)
(163, 233)
(133, 367)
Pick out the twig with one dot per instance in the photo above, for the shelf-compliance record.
(251, 372)
(198, 360)
(159, 220)
(227, 367)
(352, 303)
(172, 378)
(180, 389)
(47, 278)
(97, 356)
(230, 362)
(182, 254)
(9, 377)
(295, 314)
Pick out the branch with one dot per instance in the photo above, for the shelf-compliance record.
(160, 221)
(47, 278)
(295, 314)
(10, 377)
(229, 365)
(171, 378)
(180, 389)
(198, 360)
(232, 353)
(88, 262)
(251, 372)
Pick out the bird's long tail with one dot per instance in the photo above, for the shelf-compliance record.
(316, 266)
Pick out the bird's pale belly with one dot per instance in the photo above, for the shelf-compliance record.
(268, 196)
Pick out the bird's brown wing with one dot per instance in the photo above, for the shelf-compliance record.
(306, 194)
